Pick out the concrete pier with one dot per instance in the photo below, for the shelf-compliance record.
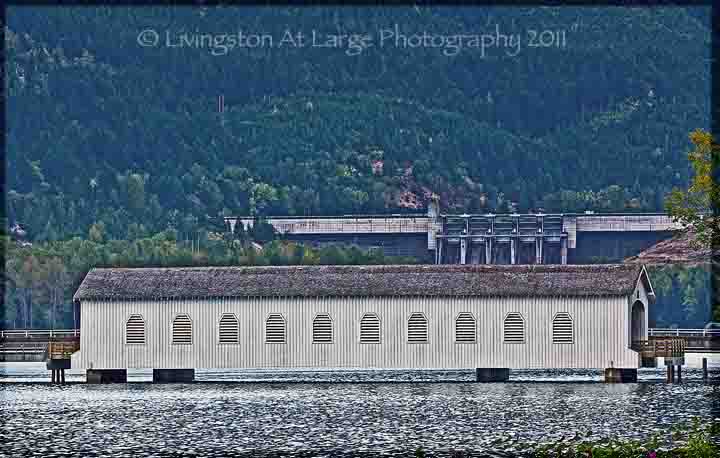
(671, 364)
(57, 369)
(106, 376)
(492, 374)
(57, 376)
(173, 375)
(620, 375)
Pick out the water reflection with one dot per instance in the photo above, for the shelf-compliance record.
(292, 417)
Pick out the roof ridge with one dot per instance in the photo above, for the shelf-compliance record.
(361, 280)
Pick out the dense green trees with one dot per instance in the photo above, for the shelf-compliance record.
(103, 130)
(42, 278)
(684, 297)
(111, 145)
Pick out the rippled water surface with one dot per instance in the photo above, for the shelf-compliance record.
(289, 413)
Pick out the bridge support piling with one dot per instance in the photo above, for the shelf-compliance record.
(173, 375)
(671, 362)
(492, 374)
(620, 375)
(704, 369)
(57, 369)
(106, 376)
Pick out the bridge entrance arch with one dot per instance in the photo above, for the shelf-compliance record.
(638, 326)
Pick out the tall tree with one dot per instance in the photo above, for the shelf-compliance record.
(696, 207)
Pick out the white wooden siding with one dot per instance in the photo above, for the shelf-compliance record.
(601, 333)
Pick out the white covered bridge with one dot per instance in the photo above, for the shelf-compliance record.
(491, 318)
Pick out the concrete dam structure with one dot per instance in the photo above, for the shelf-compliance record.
(504, 239)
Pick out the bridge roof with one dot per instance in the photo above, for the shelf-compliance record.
(390, 280)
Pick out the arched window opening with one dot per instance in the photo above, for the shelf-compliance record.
(370, 328)
(135, 330)
(514, 328)
(182, 330)
(562, 329)
(465, 328)
(417, 328)
(228, 328)
(275, 328)
(322, 331)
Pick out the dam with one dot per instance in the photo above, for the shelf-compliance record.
(501, 239)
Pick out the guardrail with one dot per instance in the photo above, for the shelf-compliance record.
(23, 348)
(661, 347)
(346, 225)
(38, 333)
(656, 332)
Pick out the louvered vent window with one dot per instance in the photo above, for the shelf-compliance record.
(182, 330)
(562, 329)
(370, 328)
(228, 328)
(322, 329)
(417, 328)
(465, 328)
(514, 328)
(275, 328)
(135, 330)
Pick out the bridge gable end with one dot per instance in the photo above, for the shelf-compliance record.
(643, 288)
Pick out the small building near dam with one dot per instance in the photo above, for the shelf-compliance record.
(489, 317)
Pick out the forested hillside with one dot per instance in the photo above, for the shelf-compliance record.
(103, 130)
(118, 153)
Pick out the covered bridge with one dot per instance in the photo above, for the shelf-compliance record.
(495, 318)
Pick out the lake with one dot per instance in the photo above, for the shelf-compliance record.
(334, 413)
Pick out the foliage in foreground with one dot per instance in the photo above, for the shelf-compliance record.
(693, 440)
(693, 207)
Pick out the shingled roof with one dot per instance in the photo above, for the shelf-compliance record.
(395, 280)
(679, 249)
